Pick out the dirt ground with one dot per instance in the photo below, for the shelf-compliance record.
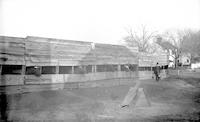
(176, 98)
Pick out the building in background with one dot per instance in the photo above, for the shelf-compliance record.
(184, 59)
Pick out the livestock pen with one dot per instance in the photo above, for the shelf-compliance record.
(43, 61)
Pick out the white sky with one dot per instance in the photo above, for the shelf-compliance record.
(102, 21)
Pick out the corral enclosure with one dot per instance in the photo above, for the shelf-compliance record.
(38, 60)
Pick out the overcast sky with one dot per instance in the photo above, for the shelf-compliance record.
(101, 21)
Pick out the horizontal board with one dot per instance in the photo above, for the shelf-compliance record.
(8, 58)
(75, 62)
(44, 79)
(11, 55)
(55, 41)
(41, 58)
(11, 45)
(115, 53)
(68, 57)
(29, 63)
(78, 62)
(56, 52)
(4, 49)
(16, 51)
(68, 78)
(49, 57)
(6, 39)
(11, 80)
(49, 46)
(13, 62)
(12, 59)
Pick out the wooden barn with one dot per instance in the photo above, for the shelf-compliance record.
(38, 60)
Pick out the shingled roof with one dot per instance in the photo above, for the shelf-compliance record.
(166, 45)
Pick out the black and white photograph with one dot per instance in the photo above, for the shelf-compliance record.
(99, 60)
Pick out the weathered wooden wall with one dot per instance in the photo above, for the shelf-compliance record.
(161, 58)
(38, 51)
(55, 52)
(150, 60)
(11, 80)
(12, 50)
(69, 78)
(47, 51)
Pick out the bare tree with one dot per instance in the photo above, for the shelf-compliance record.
(176, 38)
(191, 44)
(141, 39)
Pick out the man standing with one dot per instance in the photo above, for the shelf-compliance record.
(157, 71)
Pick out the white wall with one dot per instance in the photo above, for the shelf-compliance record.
(195, 65)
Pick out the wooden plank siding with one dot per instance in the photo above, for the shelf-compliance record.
(68, 78)
(47, 51)
(149, 61)
(12, 50)
(40, 52)
(55, 52)
(152, 59)
(11, 80)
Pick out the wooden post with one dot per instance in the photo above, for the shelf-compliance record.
(0, 69)
(40, 70)
(57, 69)
(72, 69)
(118, 67)
(93, 68)
(84, 69)
(178, 72)
(23, 70)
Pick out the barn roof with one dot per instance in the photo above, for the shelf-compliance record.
(166, 45)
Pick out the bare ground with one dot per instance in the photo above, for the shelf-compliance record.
(176, 98)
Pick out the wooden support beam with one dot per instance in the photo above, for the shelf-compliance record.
(23, 70)
(0, 69)
(57, 69)
(118, 67)
(93, 68)
(72, 69)
(40, 70)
